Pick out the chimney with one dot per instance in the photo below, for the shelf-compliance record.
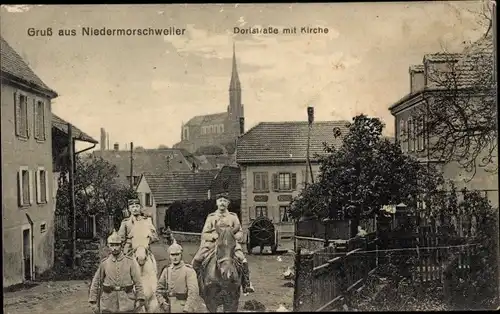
(116, 147)
(103, 140)
(417, 78)
(242, 125)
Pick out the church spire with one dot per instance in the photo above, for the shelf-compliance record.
(234, 85)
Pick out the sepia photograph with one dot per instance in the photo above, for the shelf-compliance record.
(285, 157)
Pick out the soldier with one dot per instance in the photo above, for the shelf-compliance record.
(112, 288)
(178, 286)
(209, 235)
(125, 231)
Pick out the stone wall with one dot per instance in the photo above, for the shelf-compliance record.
(89, 254)
(190, 237)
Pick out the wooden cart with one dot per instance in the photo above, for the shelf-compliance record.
(262, 233)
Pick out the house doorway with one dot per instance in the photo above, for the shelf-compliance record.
(27, 258)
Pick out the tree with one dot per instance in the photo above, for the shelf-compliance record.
(363, 174)
(460, 111)
(96, 192)
(163, 146)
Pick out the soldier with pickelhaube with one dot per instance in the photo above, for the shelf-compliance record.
(177, 290)
(116, 286)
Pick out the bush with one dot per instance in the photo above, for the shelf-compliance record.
(190, 216)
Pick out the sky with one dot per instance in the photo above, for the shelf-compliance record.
(142, 88)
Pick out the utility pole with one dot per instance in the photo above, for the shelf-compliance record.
(310, 119)
(71, 151)
(131, 165)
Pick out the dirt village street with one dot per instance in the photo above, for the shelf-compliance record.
(71, 296)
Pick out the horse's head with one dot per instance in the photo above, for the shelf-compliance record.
(225, 248)
(141, 255)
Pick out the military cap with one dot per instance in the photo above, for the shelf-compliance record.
(114, 238)
(175, 248)
(134, 201)
(224, 195)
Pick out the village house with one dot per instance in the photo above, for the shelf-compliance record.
(29, 169)
(409, 120)
(272, 160)
(158, 161)
(158, 191)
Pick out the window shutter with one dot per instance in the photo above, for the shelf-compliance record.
(250, 216)
(294, 181)
(275, 182)
(303, 176)
(265, 181)
(38, 187)
(47, 189)
(36, 132)
(20, 188)
(17, 108)
(30, 176)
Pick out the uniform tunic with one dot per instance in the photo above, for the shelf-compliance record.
(125, 231)
(180, 285)
(228, 219)
(123, 272)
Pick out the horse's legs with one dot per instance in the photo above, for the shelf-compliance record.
(261, 248)
(231, 303)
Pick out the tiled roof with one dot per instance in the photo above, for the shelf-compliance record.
(179, 186)
(442, 57)
(78, 134)
(157, 161)
(417, 68)
(287, 141)
(207, 119)
(207, 162)
(227, 180)
(13, 65)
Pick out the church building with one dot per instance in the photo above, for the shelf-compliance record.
(216, 129)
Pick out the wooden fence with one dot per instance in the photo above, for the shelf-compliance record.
(325, 276)
(88, 227)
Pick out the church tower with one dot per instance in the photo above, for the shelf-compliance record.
(235, 109)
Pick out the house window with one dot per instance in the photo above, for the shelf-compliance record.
(284, 213)
(221, 127)
(136, 180)
(43, 227)
(21, 115)
(39, 120)
(421, 134)
(261, 211)
(25, 195)
(41, 186)
(148, 199)
(260, 182)
(284, 181)
(410, 133)
(401, 134)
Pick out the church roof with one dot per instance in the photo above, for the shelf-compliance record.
(214, 118)
(287, 141)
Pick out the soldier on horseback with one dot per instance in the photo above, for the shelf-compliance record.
(223, 218)
(125, 231)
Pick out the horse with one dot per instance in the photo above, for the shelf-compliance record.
(220, 277)
(141, 237)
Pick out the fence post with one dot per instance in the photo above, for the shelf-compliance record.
(303, 297)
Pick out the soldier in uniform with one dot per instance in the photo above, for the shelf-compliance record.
(223, 218)
(177, 290)
(112, 289)
(125, 231)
